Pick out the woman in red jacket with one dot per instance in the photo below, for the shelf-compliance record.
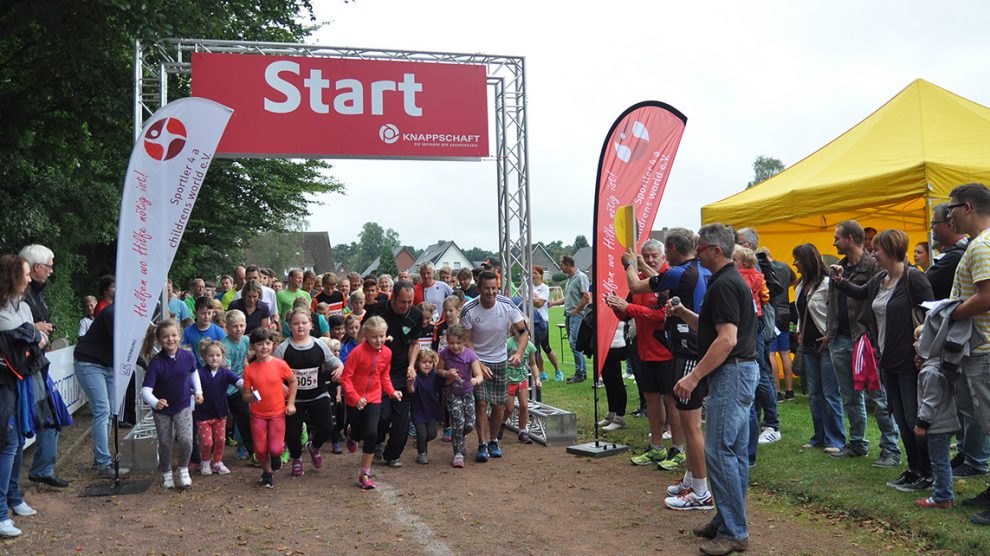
(365, 378)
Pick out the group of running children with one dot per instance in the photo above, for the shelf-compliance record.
(334, 385)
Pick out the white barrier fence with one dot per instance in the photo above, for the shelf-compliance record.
(64, 376)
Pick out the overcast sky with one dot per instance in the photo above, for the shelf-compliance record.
(753, 78)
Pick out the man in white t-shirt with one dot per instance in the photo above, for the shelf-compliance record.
(252, 272)
(431, 290)
(488, 319)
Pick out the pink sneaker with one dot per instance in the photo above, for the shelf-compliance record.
(297, 468)
(351, 446)
(315, 455)
(365, 482)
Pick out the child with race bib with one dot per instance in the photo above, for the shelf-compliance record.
(168, 385)
(365, 378)
(264, 379)
(315, 368)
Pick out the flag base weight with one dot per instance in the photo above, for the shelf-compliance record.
(114, 488)
(597, 449)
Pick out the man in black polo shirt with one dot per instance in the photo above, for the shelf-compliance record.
(404, 322)
(727, 345)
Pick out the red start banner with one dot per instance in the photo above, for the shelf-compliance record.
(311, 107)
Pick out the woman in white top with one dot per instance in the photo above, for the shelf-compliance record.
(824, 399)
(541, 331)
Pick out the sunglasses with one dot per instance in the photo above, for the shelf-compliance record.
(949, 208)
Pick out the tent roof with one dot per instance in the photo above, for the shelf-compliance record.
(919, 145)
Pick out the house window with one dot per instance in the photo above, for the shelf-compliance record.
(457, 265)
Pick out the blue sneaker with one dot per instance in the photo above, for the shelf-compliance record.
(242, 453)
(412, 430)
(494, 450)
(559, 376)
(543, 377)
(482, 455)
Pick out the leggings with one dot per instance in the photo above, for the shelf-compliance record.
(364, 425)
(462, 417)
(339, 421)
(615, 388)
(318, 416)
(425, 432)
(178, 427)
(268, 434)
(212, 437)
(241, 415)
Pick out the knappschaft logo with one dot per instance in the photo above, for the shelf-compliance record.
(165, 139)
(388, 133)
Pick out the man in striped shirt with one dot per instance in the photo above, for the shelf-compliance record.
(969, 212)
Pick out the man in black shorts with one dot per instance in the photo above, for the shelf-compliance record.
(686, 280)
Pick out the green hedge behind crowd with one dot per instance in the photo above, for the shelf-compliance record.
(848, 490)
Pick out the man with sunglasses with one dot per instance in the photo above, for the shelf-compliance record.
(951, 245)
(969, 213)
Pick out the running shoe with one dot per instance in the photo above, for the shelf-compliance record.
(482, 455)
(220, 469)
(690, 501)
(167, 480)
(365, 482)
(675, 458)
(277, 461)
(559, 376)
(185, 481)
(524, 438)
(678, 488)
(412, 430)
(297, 468)
(769, 436)
(932, 503)
(458, 461)
(351, 446)
(314, 455)
(649, 457)
(448, 434)
(543, 377)
(231, 441)
(241, 453)
(394, 463)
(253, 461)
(422, 458)
(205, 470)
(267, 480)
(337, 448)
(493, 449)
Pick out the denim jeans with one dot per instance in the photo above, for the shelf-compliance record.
(854, 402)
(974, 442)
(902, 395)
(824, 399)
(766, 390)
(977, 371)
(11, 455)
(573, 327)
(731, 390)
(938, 451)
(45, 451)
(97, 383)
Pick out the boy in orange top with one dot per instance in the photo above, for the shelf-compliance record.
(263, 389)
(365, 378)
(745, 260)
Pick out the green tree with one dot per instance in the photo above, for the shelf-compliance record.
(579, 242)
(344, 252)
(370, 242)
(477, 254)
(386, 264)
(66, 72)
(764, 168)
(276, 250)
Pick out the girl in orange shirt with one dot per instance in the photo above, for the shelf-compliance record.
(263, 382)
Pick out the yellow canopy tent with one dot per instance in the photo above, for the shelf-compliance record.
(886, 172)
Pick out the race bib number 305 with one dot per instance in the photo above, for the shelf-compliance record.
(308, 379)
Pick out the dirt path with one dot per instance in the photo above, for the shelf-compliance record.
(535, 500)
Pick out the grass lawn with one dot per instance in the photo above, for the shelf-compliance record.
(798, 478)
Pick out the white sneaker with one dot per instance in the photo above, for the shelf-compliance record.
(769, 436)
(618, 422)
(607, 420)
(185, 480)
(167, 481)
(667, 435)
(24, 510)
(678, 488)
(221, 469)
(205, 470)
(7, 529)
(690, 501)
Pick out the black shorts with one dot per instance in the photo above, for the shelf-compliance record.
(655, 377)
(682, 367)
